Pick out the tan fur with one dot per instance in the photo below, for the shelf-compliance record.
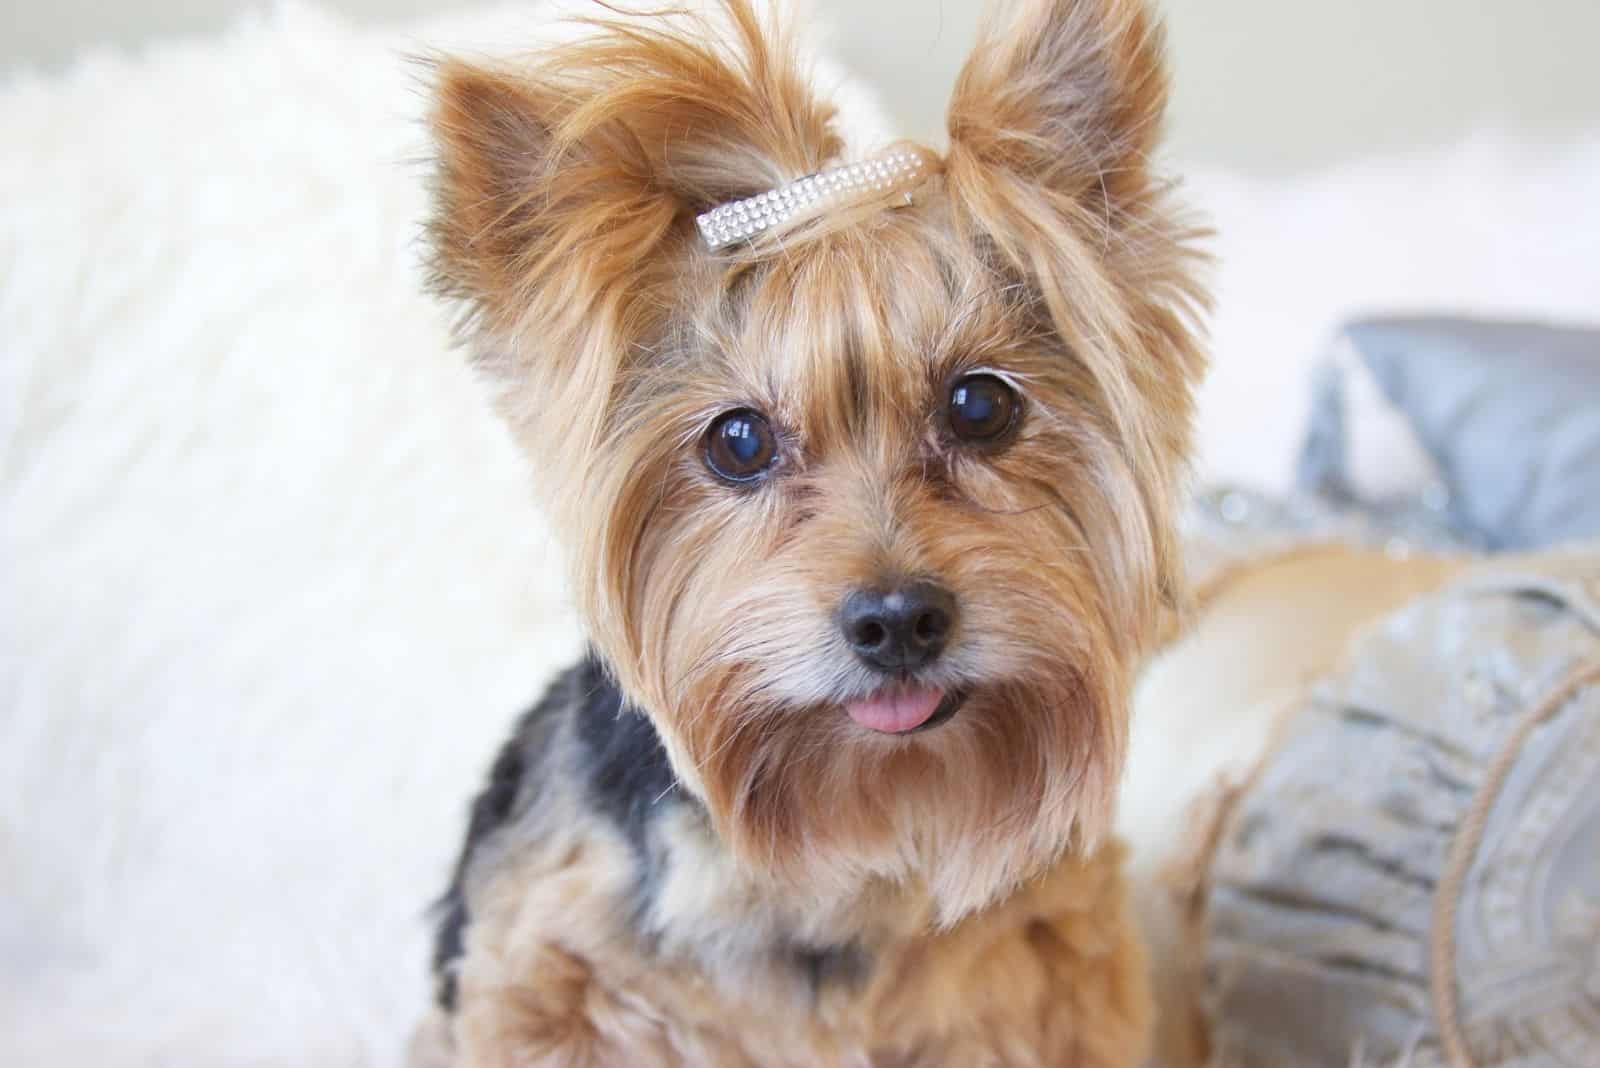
(1040, 249)
(556, 975)
(1051, 977)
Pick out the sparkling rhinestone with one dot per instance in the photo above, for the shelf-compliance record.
(727, 223)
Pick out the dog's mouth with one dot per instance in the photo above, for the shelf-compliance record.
(906, 708)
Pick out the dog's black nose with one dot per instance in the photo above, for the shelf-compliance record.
(901, 628)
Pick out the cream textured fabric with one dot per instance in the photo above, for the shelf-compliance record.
(1466, 724)
(1231, 527)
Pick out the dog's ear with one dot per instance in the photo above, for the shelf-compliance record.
(1067, 95)
(566, 187)
(1051, 126)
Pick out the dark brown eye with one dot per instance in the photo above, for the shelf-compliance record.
(983, 409)
(740, 446)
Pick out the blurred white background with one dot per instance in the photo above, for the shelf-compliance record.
(1265, 85)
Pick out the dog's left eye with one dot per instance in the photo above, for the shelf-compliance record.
(740, 446)
(983, 409)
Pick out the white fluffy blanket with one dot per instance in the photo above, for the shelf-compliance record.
(271, 586)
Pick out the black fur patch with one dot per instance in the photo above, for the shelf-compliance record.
(847, 965)
(626, 766)
(491, 810)
(625, 771)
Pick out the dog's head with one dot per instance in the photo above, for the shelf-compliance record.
(871, 512)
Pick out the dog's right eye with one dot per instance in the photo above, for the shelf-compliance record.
(740, 446)
(983, 409)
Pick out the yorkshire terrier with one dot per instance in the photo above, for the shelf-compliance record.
(866, 472)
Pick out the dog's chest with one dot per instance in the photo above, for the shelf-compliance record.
(603, 923)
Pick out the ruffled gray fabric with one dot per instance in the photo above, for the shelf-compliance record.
(1505, 412)
(1327, 879)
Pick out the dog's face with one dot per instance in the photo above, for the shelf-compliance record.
(872, 514)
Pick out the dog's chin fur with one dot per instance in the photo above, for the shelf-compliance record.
(1040, 250)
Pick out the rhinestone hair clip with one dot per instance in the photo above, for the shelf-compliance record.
(741, 220)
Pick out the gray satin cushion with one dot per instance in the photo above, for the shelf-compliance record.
(1327, 880)
(1509, 414)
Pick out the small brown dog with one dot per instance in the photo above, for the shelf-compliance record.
(867, 482)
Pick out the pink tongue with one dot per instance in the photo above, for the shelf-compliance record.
(896, 711)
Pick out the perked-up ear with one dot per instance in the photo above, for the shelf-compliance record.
(564, 184)
(1065, 94)
(1052, 124)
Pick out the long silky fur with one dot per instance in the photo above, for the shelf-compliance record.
(1042, 248)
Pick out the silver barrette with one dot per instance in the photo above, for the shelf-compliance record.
(741, 220)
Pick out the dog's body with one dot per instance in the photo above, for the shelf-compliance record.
(609, 928)
(869, 513)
